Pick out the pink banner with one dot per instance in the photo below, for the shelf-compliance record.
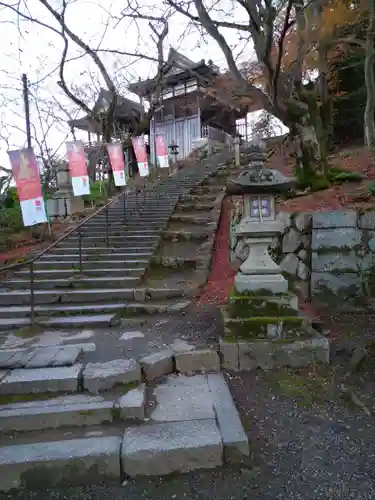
(116, 158)
(26, 175)
(78, 168)
(161, 150)
(141, 155)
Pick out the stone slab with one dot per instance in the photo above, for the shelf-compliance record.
(41, 380)
(182, 398)
(367, 220)
(327, 282)
(335, 219)
(158, 364)
(132, 404)
(103, 376)
(161, 449)
(199, 360)
(58, 463)
(77, 410)
(276, 283)
(229, 354)
(67, 356)
(236, 444)
(43, 357)
(333, 261)
(345, 238)
(18, 359)
(297, 353)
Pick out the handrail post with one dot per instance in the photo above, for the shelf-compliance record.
(80, 248)
(32, 294)
(124, 206)
(106, 227)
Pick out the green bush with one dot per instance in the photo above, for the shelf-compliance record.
(96, 195)
(339, 175)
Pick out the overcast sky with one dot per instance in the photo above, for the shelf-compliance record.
(32, 49)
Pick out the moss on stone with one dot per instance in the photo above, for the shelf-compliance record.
(256, 327)
(29, 331)
(6, 399)
(242, 307)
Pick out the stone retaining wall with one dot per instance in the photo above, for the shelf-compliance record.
(292, 250)
(343, 253)
(325, 255)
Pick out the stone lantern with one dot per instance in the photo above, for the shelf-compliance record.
(173, 152)
(62, 202)
(259, 187)
(263, 326)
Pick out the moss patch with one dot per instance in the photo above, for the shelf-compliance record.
(29, 331)
(306, 386)
(256, 327)
(6, 399)
(243, 307)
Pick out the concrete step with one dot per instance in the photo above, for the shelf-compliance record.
(74, 282)
(96, 270)
(91, 265)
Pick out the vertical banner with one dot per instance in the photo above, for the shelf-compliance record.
(78, 168)
(26, 175)
(161, 150)
(141, 155)
(116, 158)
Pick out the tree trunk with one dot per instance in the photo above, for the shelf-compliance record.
(369, 122)
(302, 120)
(325, 111)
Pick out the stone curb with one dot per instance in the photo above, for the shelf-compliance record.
(236, 444)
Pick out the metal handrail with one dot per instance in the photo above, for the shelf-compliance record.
(78, 227)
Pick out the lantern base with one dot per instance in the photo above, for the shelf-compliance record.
(275, 283)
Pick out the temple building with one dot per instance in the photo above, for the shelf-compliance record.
(182, 109)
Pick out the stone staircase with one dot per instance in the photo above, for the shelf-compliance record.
(114, 262)
(94, 422)
(82, 412)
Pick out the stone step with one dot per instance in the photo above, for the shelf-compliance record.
(99, 250)
(66, 379)
(97, 270)
(135, 254)
(116, 231)
(73, 282)
(22, 297)
(63, 321)
(129, 224)
(117, 264)
(40, 357)
(58, 463)
(166, 448)
(88, 238)
(76, 410)
(111, 307)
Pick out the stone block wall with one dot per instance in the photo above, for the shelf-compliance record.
(325, 255)
(342, 253)
(292, 250)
